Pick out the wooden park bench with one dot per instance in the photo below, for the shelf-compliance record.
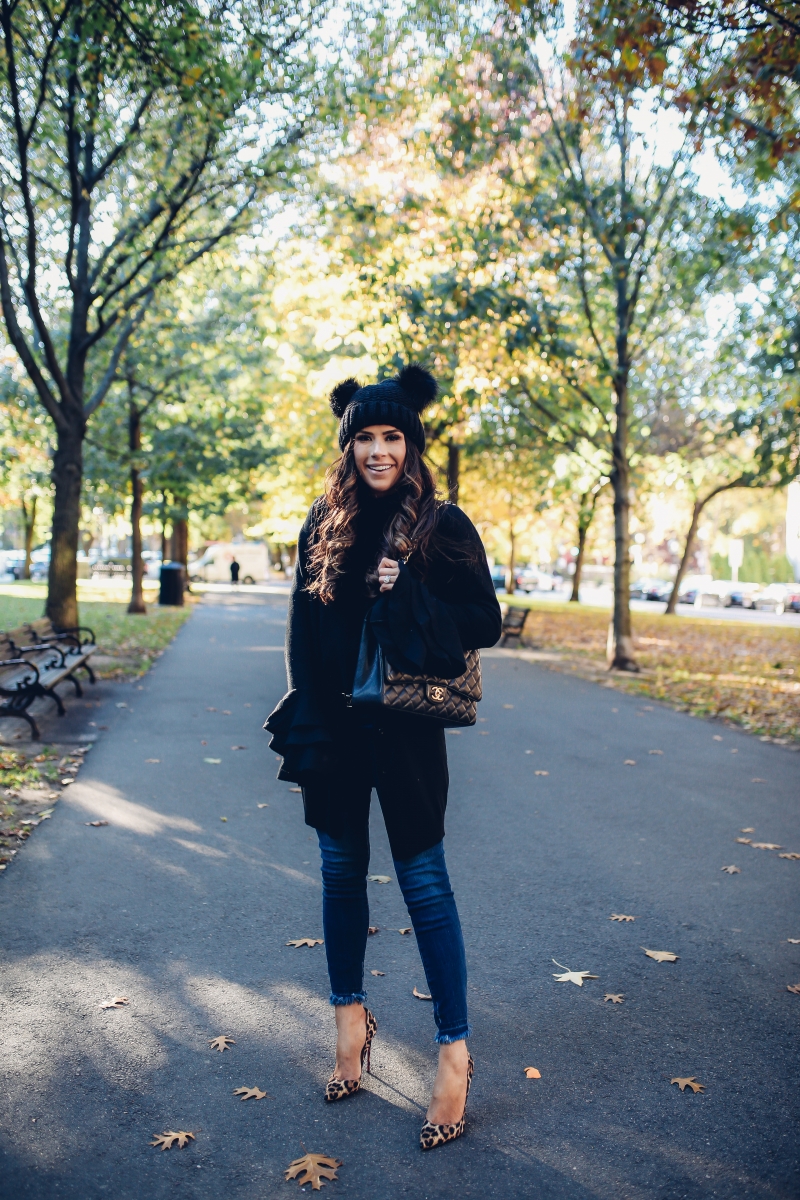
(514, 619)
(34, 659)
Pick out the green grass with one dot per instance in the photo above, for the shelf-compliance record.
(127, 644)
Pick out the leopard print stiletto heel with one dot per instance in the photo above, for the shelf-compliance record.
(339, 1089)
(436, 1135)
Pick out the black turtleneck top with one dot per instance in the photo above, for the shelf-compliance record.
(424, 624)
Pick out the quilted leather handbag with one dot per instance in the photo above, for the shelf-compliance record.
(445, 701)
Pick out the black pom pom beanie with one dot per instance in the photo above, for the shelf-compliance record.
(397, 402)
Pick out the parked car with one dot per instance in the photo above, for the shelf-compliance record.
(742, 595)
(532, 579)
(773, 598)
(792, 601)
(499, 578)
(651, 589)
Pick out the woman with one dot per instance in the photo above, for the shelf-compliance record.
(379, 545)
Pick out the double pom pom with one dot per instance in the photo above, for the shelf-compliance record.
(417, 385)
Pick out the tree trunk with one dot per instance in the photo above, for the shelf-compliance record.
(620, 634)
(29, 524)
(137, 604)
(699, 505)
(453, 471)
(180, 540)
(585, 517)
(67, 476)
(511, 563)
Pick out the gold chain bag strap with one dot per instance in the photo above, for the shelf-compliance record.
(448, 702)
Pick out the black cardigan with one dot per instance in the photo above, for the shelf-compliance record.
(424, 625)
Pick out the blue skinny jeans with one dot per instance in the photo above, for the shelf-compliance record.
(426, 890)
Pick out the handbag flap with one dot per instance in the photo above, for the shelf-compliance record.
(469, 684)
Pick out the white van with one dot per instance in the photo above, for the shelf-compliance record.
(215, 564)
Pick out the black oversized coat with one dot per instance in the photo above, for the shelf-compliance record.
(424, 624)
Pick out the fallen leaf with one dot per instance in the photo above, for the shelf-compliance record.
(373, 929)
(223, 1042)
(758, 781)
(731, 870)
(122, 704)
(794, 988)
(226, 712)
(152, 760)
(249, 1093)
(95, 823)
(618, 999)
(315, 1168)
(66, 782)
(541, 772)
(379, 878)
(211, 710)
(305, 942)
(765, 846)
(572, 976)
(629, 762)
(789, 854)
(662, 955)
(717, 737)
(532, 1073)
(748, 830)
(794, 941)
(454, 732)
(377, 972)
(405, 931)
(263, 806)
(204, 743)
(655, 751)
(690, 1082)
(745, 841)
(223, 818)
(238, 747)
(167, 1140)
(295, 789)
(212, 760)
(117, 1002)
(421, 995)
(620, 917)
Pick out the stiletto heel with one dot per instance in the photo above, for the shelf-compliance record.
(339, 1089)
(436, 1135)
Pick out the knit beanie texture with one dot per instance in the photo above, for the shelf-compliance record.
(397, 402)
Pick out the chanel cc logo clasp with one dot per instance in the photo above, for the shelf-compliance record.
(435, 693)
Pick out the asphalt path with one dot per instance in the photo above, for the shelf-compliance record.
(185, 901)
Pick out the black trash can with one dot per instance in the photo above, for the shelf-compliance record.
(172, 583)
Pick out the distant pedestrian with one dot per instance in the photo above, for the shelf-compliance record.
(234, 571)
(380, 555)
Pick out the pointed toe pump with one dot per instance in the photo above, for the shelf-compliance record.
(436, 1135)
(340, 1089)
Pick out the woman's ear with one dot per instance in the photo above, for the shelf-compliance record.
(342, 394)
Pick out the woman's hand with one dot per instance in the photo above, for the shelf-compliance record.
(388, 572)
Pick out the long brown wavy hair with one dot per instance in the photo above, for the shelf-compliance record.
(410, 529)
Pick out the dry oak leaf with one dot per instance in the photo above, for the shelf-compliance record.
(749, 829)
(690, 1082)
(223, 1042)
(572, 976)
(662, 955)
(790, 854)
(249, 1093)
(117, 1002)
(315, 1169)
(794, 941)
(615, 999)
(765, 846)
(374, 929)
(379, 878)
(532, 1073)
(421, 995)
(620, 917)
(167, 1140)
(408, 929)
(305, 942)
(745, 841)
(731, 870)
(794, 988)
(541, 772)
(377, 972)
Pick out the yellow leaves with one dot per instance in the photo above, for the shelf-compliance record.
(617, 998)
(661, 955)
(117, 1002)
(313, 1169)
(689, 1082)
(251, 1093)
(621, 917)
(305, 942)
(223, 1042)
(167, 1140)
(572, 976)
(532, 1073)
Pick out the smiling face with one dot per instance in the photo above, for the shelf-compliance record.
(380, 453)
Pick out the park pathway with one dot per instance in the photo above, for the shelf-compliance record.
(185, 901)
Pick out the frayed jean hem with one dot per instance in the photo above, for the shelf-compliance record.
(447, 1039)
(350, 998)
